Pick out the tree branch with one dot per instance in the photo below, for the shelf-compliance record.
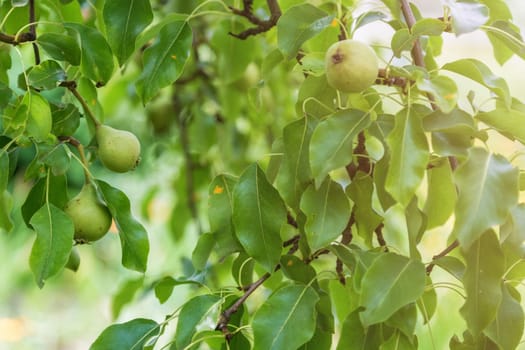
(32, 30)
(261, 25)
(445, 251)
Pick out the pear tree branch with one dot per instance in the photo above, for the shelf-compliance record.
(261, 25)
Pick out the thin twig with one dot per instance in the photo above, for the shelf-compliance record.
(261, 25)
(445, 251)
(380, 238)
(72, 86)
(32, 30)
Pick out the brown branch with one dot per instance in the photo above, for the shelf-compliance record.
(32, 30)
(261, 25)
(72, 86)
(445, 251)
(11, 39)
(383, 78)
(380, 239)
(345, 240)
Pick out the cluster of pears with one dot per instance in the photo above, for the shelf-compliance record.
(119, 151)
(351, 66)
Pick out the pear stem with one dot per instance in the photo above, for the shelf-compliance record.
(72, 86)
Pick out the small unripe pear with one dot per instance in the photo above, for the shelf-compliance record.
(351, 66)
(91, 218)
(118, 150)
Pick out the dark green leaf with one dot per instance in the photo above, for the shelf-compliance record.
(46, 76)
(202, 251)
(164, 60)
(131, 335)
(409, 156)
(398, 341)
(125, 295)
(488, 189)
(286, 320)
(5, 95)
(133, 236)
(327, 211)
(58, 159)
(297, 270)
(242, 269)
(297, 25)
(355, 336)
(482, 280)
(125, 20)
(164, 287)
(191, 314)
(391, 282)
(53, 244)
(507, 329)
(332, 141)
(60, 47)
(96, 56)
(66, 119)
(366, 218)
(220, 209)
(404, 320)
(6, 206)
(481, 73)
(258, 214)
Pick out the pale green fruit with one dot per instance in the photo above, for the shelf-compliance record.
(90, 216)
(351, 66)
(118, 150)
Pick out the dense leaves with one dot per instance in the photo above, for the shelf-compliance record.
(303, 217)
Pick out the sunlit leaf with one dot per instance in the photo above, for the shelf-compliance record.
(299, 24)
(443, 89)
(487, 189)
(133, 236)
(507, 329)
(258, 214)
(192, 313)
(50, 252)
(125, 20)
(409, 156)
(164, 60)
(467, 16)
(508, 122)
(482, 280)
(442, 195)
(332, 141)
(128, 335)
(402, 40)
(286, 320)
(391, 282)
(327, 211)
(60, 47)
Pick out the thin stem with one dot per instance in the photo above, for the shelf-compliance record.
(445, 251)
(72, 86)
(32, 30)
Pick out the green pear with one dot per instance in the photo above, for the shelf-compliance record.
(118, 150)
(351, 66)
(90, 216)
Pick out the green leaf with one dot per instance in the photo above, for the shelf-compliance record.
(332, 141)
(58, 159)
(507, 329)
(202, 251)
(482, 281)
(409, 156)
(443, 89)
(5, 95)
(402, 40)
(60, 47)
(467, 16)
(366, 18)
(220, 210)
(6, 206)
(488, 189)
(398, 341)
(506, 40)
(452, 265)
(428, 26)
(327, 211)
(286, 320)
(96, 56)
(404, 320)
(297, 270)
(130, 335)
(164, 287)
(258, 214)
(4, 170)
(441, 196)
(125, 20)
(355, 336)
(192, 313)
(322, 103)
(481, 73)
(66, 119)
(296, 138)
(46, 76)
(52, 189)
(54, 241)
(391, 282)
(360, 190)
(509, 122)
(297, 25)
(125, 295)
(164, 60)
(133, 236)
